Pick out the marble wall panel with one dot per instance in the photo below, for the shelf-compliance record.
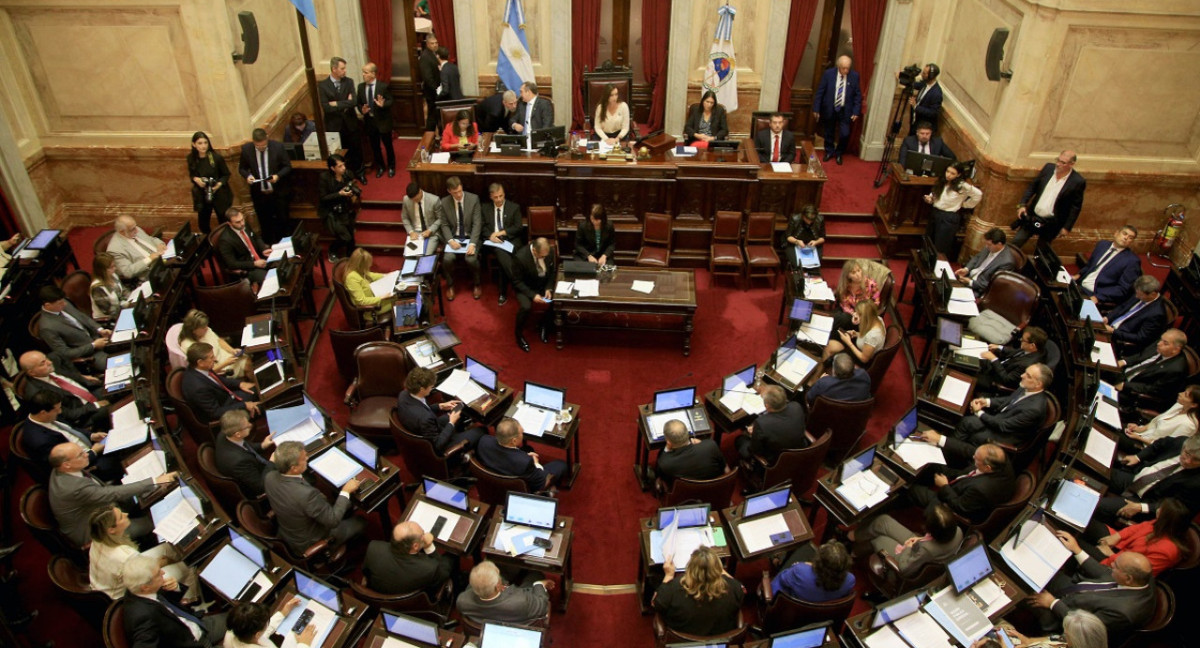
(965, 53)
(279, 56)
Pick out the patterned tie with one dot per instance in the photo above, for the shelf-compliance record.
(1145, 482)
(220, 382)
(70, 386)
(840, 99)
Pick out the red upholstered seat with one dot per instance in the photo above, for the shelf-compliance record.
(726, 253)
(656, 241)
(759, 246)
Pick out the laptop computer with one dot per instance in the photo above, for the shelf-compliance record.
(768, 501)
(1073, 504)
(442, 337)
(497, 635)
(689, 517)
(969, 568)
(448, 494)
(676, 404)
(312, 589)
(802, 310)
(546, 398)
(802, 638)
(950, 332)
(904, 427)
(269, 375)
(893, 611)
(421, 266)
(482, 374)
(527, 510)
(232, 573)
(743, 377)
(249, 548)
(363, 450)
(857, 464)
(411, 629)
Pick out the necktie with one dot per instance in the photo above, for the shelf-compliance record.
(498, 223)
(1136, 307)
(925, 149)
(263, 171)
(1091, 276)
(371, 97)
(1015, 399)
(1144, 482)
(775, 150)
(840, 99)
(541, 266)
(1130, 372)
(220, 382)
(254, 454)
(529, 118)
(1089, 587)
(142, 244)
(973, 473)
(461, 230)
(421, 211)
(250, 246)
(70, 386)
(183, 615)
(78, 438)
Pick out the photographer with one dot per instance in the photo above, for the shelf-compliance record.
(210, 181)
(339, 206)
(926, 99)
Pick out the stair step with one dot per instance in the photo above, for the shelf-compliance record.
(851, 250)
(380, 224)
(850, 228)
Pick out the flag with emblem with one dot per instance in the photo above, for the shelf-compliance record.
(513, 63)
(720, 75)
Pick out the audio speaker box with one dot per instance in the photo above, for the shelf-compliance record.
(995, 53)
(249, 37)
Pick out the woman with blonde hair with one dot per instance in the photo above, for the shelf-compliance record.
(704, 601)
(230, 361)
(863, 343)
(109, 295)
(112, 546)
(358, 283)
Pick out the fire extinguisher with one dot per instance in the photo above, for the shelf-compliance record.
(1165, 238)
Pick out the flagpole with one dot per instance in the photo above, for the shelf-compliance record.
(311, 78)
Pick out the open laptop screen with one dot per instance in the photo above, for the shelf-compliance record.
(411, 628)
(250, 550)
(445, 493)
(689, 516)
(674, 399)
(766, 502)
(743, 377)
(481, 373)
(801, 310)
(949, 332)
(969, 568)
(362, 450)
(442, 337)
(855, 465)
(545, 397)
(502, 636)
(314, 589)
(229, 571)
(811, 638)
(530, 510)
(43, 239)
(897, 610)
(904, 428)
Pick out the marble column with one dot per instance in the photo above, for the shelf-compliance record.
(677, 65)
(466, 36)
(772, 72)
(881, 96)
(561, 74)
(18, 188)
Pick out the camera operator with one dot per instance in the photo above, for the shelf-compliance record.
(210, 180)
(926, 99)
(339, 206)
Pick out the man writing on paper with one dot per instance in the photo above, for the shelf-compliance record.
(971, 493)
(43, 432)
(440, 426)
(1123, 595)
(780, 428)
(408, 563)
(209, 394)
(420, 215)
(688, 458)
(81, 396)
(506, 454)
(237, 458)
(994, 257)
(304, 516)
(847, 382)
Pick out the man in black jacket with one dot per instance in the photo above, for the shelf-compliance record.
(1121, 595)
(780, 428)
(430, 80)
(847, 382)
(924, 142)
(265, 166)
(776, 144)
(375, 103)
(407, 563)
(1006, 363)
(507, 454)
(1051, 203)
(972, 493)
(43, 430)
(238, 459)
(151, 620)
(501, 223)
(239, 248)
(688, 458)
(1165, 468)
(438, 425)
(450, 87)
(1158, 369)
(1012, 419)
(341, 115)
(211, 395)
(82, 397)
(534, 271)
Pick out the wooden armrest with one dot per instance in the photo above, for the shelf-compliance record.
(351, 393)
(316, 548)
(1007, 447)
(762, 462)
(660, 486)
(765, 587)
(456, 448)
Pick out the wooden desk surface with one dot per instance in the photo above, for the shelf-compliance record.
(476, 512)
(556, 557)
(561, 435)
(377, 634)
(846, 515)
(676, 288)
(793, 516)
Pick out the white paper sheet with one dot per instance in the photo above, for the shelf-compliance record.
(587, 287)
(392, 642)
(424, 354)
(306, 430)
(942, 268)
(442, 157)
(817, 330)
(122, 336)
(732, 400)
(954, 390)
(1063, 276)
(270, 284)
(338, 468)
(991, 594)
(1100, 448)
(781, 167)
(919, 453)
(178, 523)
(418, 249)
(965, 308)
(460, 385)
(756, 534)
(463, 244)
(516, 540)
(753, 404)
(1103, 351)
(1038, 556)
(679, 544)
(385, 285)
(816, 289)
(564, 288)
(863, 490)
(534, 420)
(885, 637)
(426, 514)
(920, 629)
(153, 464)
(118, 374)
(643, 286)
(797, 367)
(507, 246)
(248, 338)
(959, 616)
(144, 289)
(127, 436)
(962, 293)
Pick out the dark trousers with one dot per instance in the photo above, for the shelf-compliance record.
(346, 530)
(431, 116)
(471, 435)
(352, 142)
(741, 443)
(448, 261)
(381, 143)
(274, 218)
(342, 228)
(525, 305)
(504, 260)
(942, 228)
(837, 127)
(222, 200)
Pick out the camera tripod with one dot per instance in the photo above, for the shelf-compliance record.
(890, 139)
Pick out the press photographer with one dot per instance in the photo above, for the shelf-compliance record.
(340, 196)
(925, 94)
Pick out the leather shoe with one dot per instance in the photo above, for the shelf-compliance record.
(523, 344)
(839, 160)
(828, 156)
(391, 172)
(544, 334)
(477, 293)
(450, 293)
(379, 172)
(503, 300)
(362, 176)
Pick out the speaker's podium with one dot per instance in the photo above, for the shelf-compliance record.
(901, 213)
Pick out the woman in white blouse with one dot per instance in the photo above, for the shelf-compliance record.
(195, 329)
(612, 117)
(112, 546)
(1180, 420)
(950, 194)
(250, 625)
(109, 295)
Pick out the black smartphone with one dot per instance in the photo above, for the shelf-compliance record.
(303, 621)
(543, 543)
(437, 526)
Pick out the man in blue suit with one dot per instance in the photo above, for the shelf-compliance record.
(1112, 269)
(507, 454)
(1011, 420)
(838, 103)
(1142, 318)
(926, 101)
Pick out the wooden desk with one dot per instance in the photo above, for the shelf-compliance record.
(492, 406)
(377, 634)
(298, 289)
(1185, 294)
(942, 411)
(793, 516)
(557, 560)
(796, 389)
(277, 571)
(373, 498)
(354, 612)
(620, 307)
(901, 213)
(648, 569)
(476, 511)
(449, 358)
(721, 418)
(646, 442)
(841, 511)
(564, 436)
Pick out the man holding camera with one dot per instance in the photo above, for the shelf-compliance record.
(926, 99)
(1051, 203)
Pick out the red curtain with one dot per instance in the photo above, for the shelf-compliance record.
(801, 20)
(8, 220)
(441, 12)
(866, 22)
(585, 36)
(377, 20)
(656, 29)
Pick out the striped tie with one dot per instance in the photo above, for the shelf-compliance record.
(840, 99)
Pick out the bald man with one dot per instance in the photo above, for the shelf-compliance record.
(133, 249)
(838, 104)
(970, 492)
(82, 397)
(1052, 202)
(1122, 595)
(74, 495)
(407, 563)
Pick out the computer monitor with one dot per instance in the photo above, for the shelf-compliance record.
(802, 310)
(481, 373)
(857, 464)
(766, 502)
(248, 547)
(802, 638)
(311, 588)
(412, 628)
(556, 134)
(530, 510)
(545, 397)
(423, 267)
(969, 568)
(743, 377)
(898, 609)
(229, 572)
(674, 399)
(442, 337)
(500, 139)
(926, 165)
(949, 331)
(724, 146)
(695, 515)
(363, 450)
(43, 239)
(497, 635)
(905, 427)
(1074, 503)
(294, 150)
(444, 493)
(929, 253)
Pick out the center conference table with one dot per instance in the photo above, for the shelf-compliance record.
(669, 306)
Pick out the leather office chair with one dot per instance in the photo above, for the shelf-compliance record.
(887, 578)
(778, 611)
(1021, 455)
(102, 241)
(760, 120)
(35, 511)
(359, 317)
(84, 364)
(878, 366)
(656, 241)
(227, 306)
(16, 448)
(319, 558)
(761, 258)
(1011, 296)
(113, 626)
(801, 467)
(346, 343)
(419, 455)
(78, 287)
(1164, 612)
(542, 221)
(417, 601)
(1123, 349)
(176, 357)
(664, 635)
(220, 273)
(725, 253)
(847, 419)
(717, 492)
(1005, 512)
(72, 582)
(224, 489)
(382, 368)
(1019, 258)
(493, 488)
(448, 110)
(1191, 555)
(201, 431)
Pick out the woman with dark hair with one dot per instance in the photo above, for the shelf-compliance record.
(250, 625)
(460, 133)
(705, 122)
(806, 228)
(595, 239)
(210, 181)
(1162, 540)
(704, 601)
(338, 206)
(299, 128)
(950, 194)
(612, 117)
(825, 578)
(1179, 420)
(109, 295)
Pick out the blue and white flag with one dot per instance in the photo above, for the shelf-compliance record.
(720, 75)
(310, 12)
(513, 64)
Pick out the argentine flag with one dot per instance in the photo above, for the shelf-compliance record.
(720, 75)
(310, 12)
(513, 64)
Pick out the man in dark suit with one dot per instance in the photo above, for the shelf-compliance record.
(336, 92)
(1141, 318)
(1169, 467)
(420, 418)
(237, 458)
(1158, 369)
(406, 564)
(82, 397)
(688, 458)
(304, 516)
(994, 257)
(507, 454)
(780, 428)
(533, 280)
(459, 213)
(1122, 595)
(450, 87)
(151, 620)
(1051, 203)
(838, 103)
(210, 395)
(430, 80)
(776, 144)
(68, 331)
(240, 248)
(496, 113)
(265, 166)
(1006, 364)
(847, 382)
(926, 100)
(375, 103)
(1110, 272)
(1012, 420)
(923, 141)
(42, 431)
(489, 599)
(502, 222)
(533, 113)
(970, 492)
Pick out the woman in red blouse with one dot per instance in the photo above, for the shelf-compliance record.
(1162, 540)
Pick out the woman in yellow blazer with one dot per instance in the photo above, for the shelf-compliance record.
(358, 283)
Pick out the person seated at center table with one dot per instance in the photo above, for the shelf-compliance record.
(612, 117)
(462, 133)
(596, 239)
(705, 122)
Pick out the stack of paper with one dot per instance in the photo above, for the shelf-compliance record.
(460, 385)
(1103, 351)
(415, 247)
(249, 339)
(919, 453)
(958, 615)
(281, 250)
(1063, 276)
(170, 252)
(587, 287)
(1107, 413)
(815, 289)
(991, 594)
(796, 368)
(564, 288)
(817, 330)
(863, 490)
(742, 397)
(442, 157)
(962, 302)
(920, 629)
(336, 466)
(954, 390)
(1100, 447)
(756, 534)
(781, 167)
(507, 246)
(178, 523)
(678, 543)
(294, 423)
(535, 421)
(153, 464)
(643, 286)
(1037, 556)
(518, 540)
(426, 515)
(270, 284)
(385, 286)
(119, 371)
(128, 429)
(885, 637)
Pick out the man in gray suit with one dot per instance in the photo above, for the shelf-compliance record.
(419, 210)
(304, 517)
(911, 551)
(1011, 420)
(994, 257)
(68, 331)
(133, 249)
(533, 113)
(74, 495)
(1122, 595)
(490, 600)
(462, 224)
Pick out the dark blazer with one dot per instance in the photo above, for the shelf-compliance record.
(277, 164)
(343, 116)
(241, 464)
(855, 388)
(525, 277)
(1144, 327)
(391, 572)
(150, 623)
(1164, 377)
(1184, 485)
(1003, 261)
(719, 125)
(450, 85)
(683, 613)
(231, 249)
(207, 400)
(304, 516)
(1115, 281)
(446, 212)
(1019, 422)
(585, 241)
(431, 78)
(826, 95)
(936, 147)
(1121, 610)
(513, 605)
(975, 497)
(1066, 206)
(510, 222)
(65, 339)
(543, 114)
(511, 462)
(424, 421)
(775, 432)
(329, 197)
(701, 460)
(1008, 366)
(39, 440)
(379, 119)
(490, 114)
(787, 146)
(74, 411)
(198, 167)
(929, 107)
